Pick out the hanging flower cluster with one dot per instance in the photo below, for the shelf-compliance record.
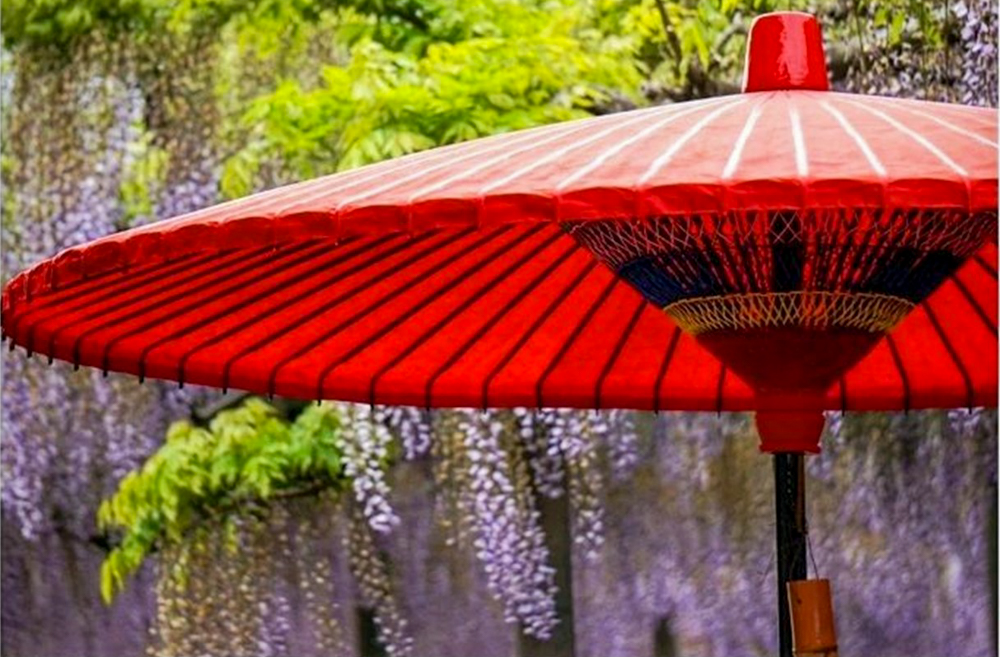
(366, 441)
(491, 468)
(451, 477)
(576, 434)
(619, 434)
(507, 537)
(26, 462)
(543, 449)
(411, 426)
(979, 53)
(209, 589)
(80, 141)
(374, 586)
(315, 574)
(243, 495)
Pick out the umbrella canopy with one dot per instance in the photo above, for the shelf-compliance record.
(533, 268)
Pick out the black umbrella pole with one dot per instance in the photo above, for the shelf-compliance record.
(790, 512)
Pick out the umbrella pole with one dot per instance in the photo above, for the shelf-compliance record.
(790, 512)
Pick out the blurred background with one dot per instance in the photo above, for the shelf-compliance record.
(278, 529)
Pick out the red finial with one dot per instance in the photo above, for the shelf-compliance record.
(785, 51)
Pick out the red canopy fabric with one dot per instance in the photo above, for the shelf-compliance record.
(765, 150)
(510, 316)
(445, 279)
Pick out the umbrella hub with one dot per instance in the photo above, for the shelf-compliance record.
(785, 51)
(789, 432)
(789, 300)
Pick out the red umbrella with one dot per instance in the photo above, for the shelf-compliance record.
(811, 250)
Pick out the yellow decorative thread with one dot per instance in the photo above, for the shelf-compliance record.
(877, 313)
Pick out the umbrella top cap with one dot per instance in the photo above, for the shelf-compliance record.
(785, 51)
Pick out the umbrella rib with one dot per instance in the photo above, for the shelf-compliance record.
(619, 347)
(78, 299)
(305, 251)
(324, 265)
(552, 156)
(530, 331)
(969, 388)
(322, 192)
(894, 351)
(290, 301)
(990, 269)
(853, 133)
(741, 141)
(97, 313)
(491, 322)
(940, 121)
(343, 296)
(126, 285)
(577, 330)
(457, 280)
(915, 136)
(681, 141)
(970, 111)
(476, 296)
(302, 192)
(599, 161)
(798, 141)
(127, 296)
(668, 357)
(332, 303)
(94, 283)
(974, 303)
(451, 162)
(502, 157)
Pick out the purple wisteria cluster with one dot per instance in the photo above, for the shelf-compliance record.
(69, 436)
(543, 449)
(375, 586)
(979, 54)
(577, 435)
(26, 461)
(569, 449)
(618, 432)
(493, 467)
(411, 426)
(366, 441)
(508, 538)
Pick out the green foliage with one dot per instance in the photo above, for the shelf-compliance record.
(46, 24)
(306, 87)
(244, 458)
(474, 70)
(907, 20)
(58, 24)
(144, 172)
(684, 44)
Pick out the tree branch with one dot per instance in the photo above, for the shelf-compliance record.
(673, 43)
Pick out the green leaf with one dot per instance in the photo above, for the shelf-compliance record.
(107, 582)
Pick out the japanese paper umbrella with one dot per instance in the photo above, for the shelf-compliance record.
(785, 250)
